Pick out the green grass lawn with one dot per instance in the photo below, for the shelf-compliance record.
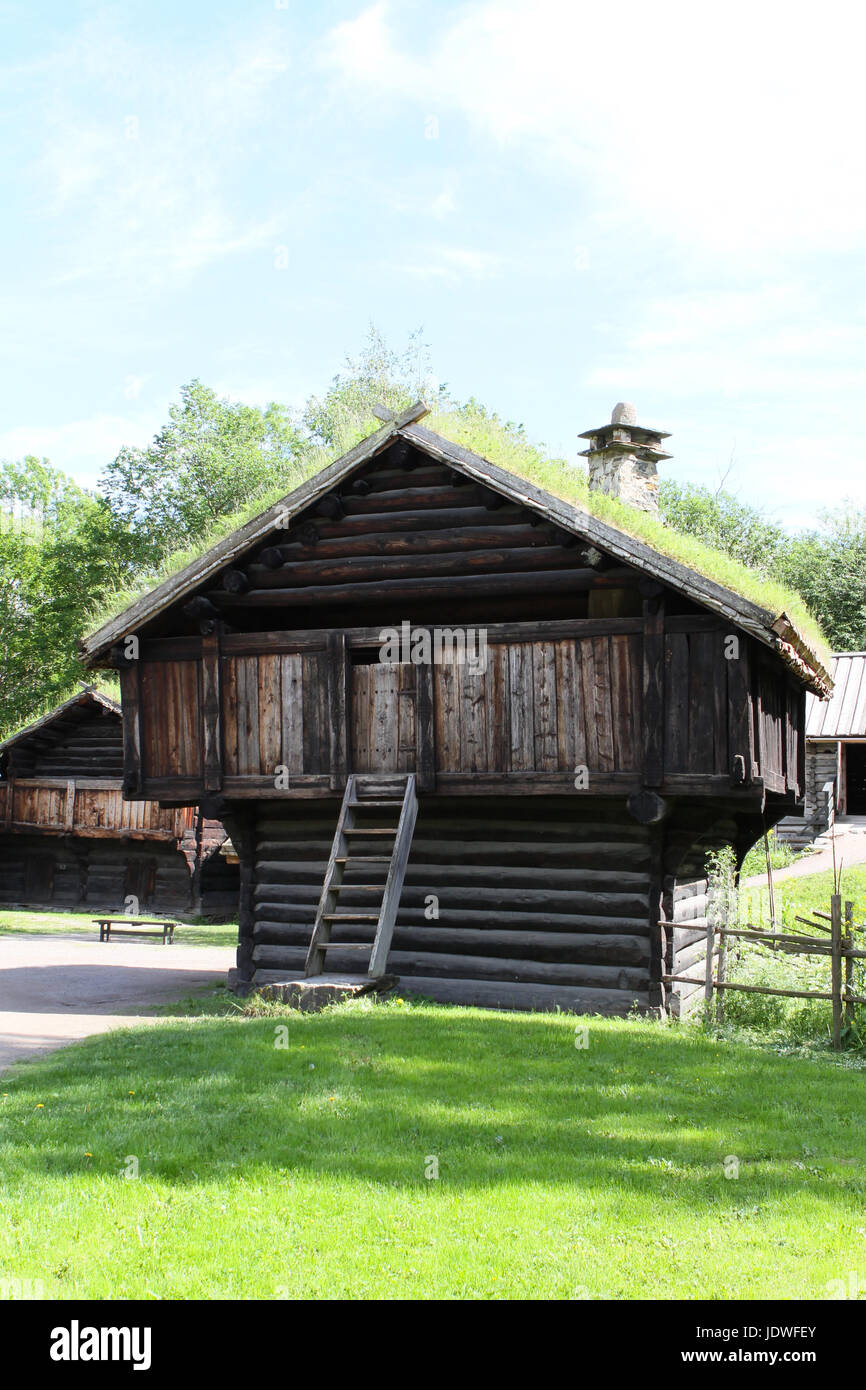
(306, 1170)
(801, 895)
(75, 923)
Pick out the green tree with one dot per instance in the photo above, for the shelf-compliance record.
(213, 458)
(721, 519)
(377, 376)
(60, 547)
(828, 567)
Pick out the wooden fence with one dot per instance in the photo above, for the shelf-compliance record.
(839, 948)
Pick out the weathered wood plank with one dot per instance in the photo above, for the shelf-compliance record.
(655, 712)
(211, 708)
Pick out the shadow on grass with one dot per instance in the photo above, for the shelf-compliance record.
(371, 1095)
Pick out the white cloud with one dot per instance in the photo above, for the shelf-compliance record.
(144, 192)
(732, 132)
(81, 448)
(456, 263)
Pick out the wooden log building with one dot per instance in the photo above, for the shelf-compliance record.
(627, 716)
(835, 787)
(69, 839)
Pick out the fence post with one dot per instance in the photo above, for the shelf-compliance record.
(708, 977)
(849, 963)
(836, 967)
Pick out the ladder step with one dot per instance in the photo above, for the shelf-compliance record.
(358, 887)
(392, 805)
(345, 945)
(350, 916)
(363, 859)
(371, 830)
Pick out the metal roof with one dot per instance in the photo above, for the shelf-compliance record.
(844, 715)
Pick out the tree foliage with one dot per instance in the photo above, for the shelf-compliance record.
(60, 547)
(213, 457)
(826, 566)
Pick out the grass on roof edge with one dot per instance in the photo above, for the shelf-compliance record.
(102, 682)
(487, 436)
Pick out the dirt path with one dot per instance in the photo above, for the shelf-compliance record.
(57, 989)
(850, 849)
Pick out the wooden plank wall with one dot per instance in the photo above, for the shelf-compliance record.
(696, 703)
(91, 874)
(84, 807)
(171, 727)
(540, 706)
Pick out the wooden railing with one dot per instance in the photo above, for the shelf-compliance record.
(92, 806)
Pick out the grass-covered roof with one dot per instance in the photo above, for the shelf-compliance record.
(506, 447)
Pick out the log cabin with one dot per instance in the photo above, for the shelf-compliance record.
(464, 730)
(68, 839)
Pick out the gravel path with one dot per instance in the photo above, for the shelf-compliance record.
(57, 989)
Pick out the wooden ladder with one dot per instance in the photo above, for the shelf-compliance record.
(396, 839)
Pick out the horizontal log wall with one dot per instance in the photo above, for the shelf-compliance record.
(533, 913)
(686, 901)
(82, 741)
(66, 873)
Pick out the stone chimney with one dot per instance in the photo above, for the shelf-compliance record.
(623, 457)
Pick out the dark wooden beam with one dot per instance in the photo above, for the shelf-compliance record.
(425, 728)
(338, 705)
(544, 582)
(200, 607)
(234, 581)
(130, 695)
(211, 700)
(375, 567)
(415, 542)
(653, 691)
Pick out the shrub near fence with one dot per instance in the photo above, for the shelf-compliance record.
(837, 947)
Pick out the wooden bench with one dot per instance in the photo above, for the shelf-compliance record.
(135, 926)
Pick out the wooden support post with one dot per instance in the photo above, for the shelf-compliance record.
(211, 705)
(741, 728)
(653, 724)
(338, 704)
(425, 728)
(240, 822)
(849, 964)
(836, 967)
(723, 958)
(69, 808)
(771, 894)
(130, 694)
(708, 975)
(720, 980)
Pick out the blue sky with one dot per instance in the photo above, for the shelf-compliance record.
(578, 203)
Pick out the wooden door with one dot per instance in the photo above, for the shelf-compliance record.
(382, 716)
(140, 880)
(39, 877)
